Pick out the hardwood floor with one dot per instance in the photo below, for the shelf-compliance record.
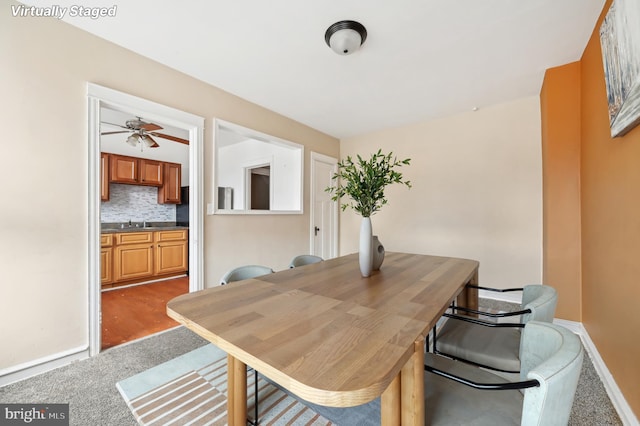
(138, 311)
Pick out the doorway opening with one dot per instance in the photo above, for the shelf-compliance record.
(144, 222)
(158, 255)
(259, 188)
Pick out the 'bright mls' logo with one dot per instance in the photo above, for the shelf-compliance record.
(34, 414)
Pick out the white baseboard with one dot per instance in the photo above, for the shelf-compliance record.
(142, 283)
(617, 398)
(42, 365)
(29, 369)
(511, 297)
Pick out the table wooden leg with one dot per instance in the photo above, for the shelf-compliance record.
(468, 298)
(402, 403)
(390, 404)
(236, 392)
(412, 388)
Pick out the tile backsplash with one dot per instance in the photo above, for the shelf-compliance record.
(136, 203)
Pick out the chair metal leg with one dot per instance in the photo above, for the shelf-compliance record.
(254, 422)
(255, 396)
(435, 351)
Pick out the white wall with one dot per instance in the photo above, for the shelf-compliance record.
(46, 65)
(477, 191)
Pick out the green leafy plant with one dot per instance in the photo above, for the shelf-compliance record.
(364, 181)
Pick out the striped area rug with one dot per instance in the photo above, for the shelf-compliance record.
(192, 390)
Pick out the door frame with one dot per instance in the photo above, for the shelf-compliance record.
(248, 168)
(321, 158)
(98, 96)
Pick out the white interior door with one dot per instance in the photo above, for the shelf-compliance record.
(324, 211)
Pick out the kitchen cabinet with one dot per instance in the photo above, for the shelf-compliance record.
(137, 171)
(104, 176)
(133, 256)
(169, 192)
(106, 259)
(171, 252)
(123, 169)
(151, 172)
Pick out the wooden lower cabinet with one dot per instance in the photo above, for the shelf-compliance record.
(171, 257)
(141, 256)
(106, 259)
(171, 251)
(133, 261)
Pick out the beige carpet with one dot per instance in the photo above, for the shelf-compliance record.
(192, 390)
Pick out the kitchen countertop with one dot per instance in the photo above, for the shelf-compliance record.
(115, 228)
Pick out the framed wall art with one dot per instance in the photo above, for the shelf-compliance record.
(620, 42)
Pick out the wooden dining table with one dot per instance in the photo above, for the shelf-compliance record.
(330, 336)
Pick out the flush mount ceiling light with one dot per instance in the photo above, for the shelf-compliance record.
(345, 37)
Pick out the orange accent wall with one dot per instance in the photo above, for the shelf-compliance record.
(560, 113)
(610, 175)
(609, 215)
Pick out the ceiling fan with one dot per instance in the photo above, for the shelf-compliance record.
(141, 132)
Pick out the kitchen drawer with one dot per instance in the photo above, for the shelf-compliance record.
(106, 240)
(173, 235)
(134, 238)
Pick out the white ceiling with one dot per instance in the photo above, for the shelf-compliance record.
(422, 58)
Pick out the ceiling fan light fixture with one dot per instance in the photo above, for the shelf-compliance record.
(345, 37)
(133, 140)
(148, 141)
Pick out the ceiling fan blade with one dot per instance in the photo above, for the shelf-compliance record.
(171, 138)
(114, 124)
(150, 127)
(113, 133)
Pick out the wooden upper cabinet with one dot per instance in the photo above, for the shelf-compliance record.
(123, 169)
(137, 171)
(104, 176)
(169, 192)
(151, 172)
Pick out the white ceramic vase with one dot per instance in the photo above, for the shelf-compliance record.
(366, 247)
(378, 253)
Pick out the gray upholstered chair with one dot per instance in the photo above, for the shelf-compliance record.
(457, 393)
(304, 259)
(494, 344)
(244, 273)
